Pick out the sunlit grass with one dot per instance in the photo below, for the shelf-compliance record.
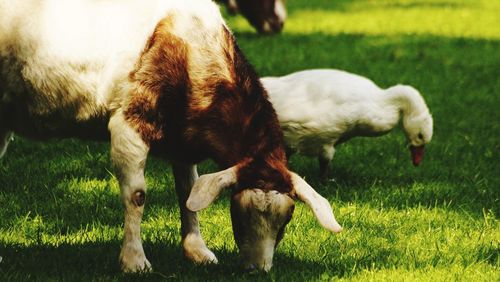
(456, 19)
(61, 216)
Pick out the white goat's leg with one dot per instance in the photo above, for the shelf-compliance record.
(192, 242)
(128, 154)
(324, 158)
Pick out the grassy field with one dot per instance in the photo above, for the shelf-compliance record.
(61, 216)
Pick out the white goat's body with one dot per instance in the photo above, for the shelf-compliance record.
(64, 64)
(319, 109)
(64, 72)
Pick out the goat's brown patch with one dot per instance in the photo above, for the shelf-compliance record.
(267, 173)
(169, 108)
(161, 71)
(207, 65)
(242, 124)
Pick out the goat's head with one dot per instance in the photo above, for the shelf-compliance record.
(259, 216)
(267, 16)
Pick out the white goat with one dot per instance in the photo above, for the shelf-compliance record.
(319, 109)
(160, 76)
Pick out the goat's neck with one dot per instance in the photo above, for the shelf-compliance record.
(263, 143)
(258, 151)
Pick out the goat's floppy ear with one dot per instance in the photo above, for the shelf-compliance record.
(319, 205)
(208, 187)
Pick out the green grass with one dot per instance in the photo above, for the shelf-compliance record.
(61, 216)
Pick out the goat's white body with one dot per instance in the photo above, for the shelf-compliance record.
(156, 74)
(318, 109)
(64, 69)
(70, 60)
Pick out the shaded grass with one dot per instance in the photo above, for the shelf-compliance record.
(61, 216)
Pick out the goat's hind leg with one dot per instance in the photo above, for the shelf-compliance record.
(5, 138)
(128, 154)
(194, 246)
(5, 134)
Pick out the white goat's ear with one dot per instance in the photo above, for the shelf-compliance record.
(319, 205)
(208, 187)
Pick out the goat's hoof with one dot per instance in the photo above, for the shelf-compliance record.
(201, 256)
(138, 264)
(196, 250)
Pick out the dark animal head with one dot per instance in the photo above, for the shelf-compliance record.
(267, 16)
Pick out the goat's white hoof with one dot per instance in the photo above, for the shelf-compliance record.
(134, 263)
(196, 250)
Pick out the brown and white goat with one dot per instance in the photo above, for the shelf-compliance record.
(164, 77)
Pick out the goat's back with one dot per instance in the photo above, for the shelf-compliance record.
(64, 64)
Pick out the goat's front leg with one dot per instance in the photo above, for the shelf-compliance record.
(128, 154)
(194, 246)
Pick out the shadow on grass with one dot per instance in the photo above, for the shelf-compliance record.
(100, 261)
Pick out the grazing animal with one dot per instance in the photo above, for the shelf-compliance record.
(319, 109)
(267, 16)
(160, 77)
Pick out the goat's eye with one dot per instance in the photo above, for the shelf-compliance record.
(420, 136)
